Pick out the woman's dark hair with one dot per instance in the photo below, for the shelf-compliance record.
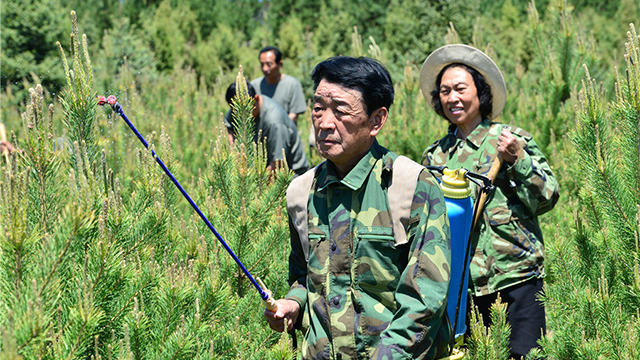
(231, 92)
(482, 87)
(366, 75)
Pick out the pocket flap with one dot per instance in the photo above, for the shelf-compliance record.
(498, 215)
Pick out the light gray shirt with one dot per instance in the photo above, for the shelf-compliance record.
(278, 133)
(287, 93)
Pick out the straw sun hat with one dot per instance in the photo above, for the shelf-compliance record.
(471, 57)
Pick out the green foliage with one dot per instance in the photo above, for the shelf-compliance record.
(331, 30)
(412, 124)
(78, 100)
(282, 350)
(609, 7)
(123, 49)
(173, 34)
(331, 21)
(291, 38)
(94, 18)
(94, 238)
(243, 16)
(407, 20)
(242, 106)
(93, 267)
(490, 343)
(540, 62)
(219, 54)
(29, 33)
(561, 56)
(40, 155)
(594, 308)
(238, 175)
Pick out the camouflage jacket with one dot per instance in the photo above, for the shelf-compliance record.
(507, 246)
(366, 296)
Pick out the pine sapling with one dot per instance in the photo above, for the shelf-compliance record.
(595, 306)
(489, 343)
(79, 98)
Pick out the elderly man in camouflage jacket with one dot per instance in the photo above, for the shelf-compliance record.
(366, 294)
(464, 86)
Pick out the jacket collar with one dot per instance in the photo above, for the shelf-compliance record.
(358, 175)
(477, 136)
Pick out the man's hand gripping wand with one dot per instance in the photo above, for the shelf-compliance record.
(268, 300)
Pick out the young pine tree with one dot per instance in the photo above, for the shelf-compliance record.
(593, 310)
(90, 269)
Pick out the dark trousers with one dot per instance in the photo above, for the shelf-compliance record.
(525, 314)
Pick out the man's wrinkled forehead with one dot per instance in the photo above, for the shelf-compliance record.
(334, 92)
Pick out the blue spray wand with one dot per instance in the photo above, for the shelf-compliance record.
(270, 303)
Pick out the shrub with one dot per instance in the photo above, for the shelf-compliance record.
(593, 309)
(93, 268)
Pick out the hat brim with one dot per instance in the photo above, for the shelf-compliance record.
(471, 57)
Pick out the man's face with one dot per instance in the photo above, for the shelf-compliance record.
(270, 68)
(344, 131)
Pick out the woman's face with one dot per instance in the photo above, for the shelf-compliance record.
(459, 98)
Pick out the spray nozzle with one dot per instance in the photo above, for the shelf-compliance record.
(111, 100)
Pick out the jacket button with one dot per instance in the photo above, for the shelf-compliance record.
(334, 247)
(336, 301)
(339, 355)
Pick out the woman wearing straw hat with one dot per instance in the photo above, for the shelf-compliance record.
(464, 86)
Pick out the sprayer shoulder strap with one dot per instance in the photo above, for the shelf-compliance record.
(400, 195)
(297, 206)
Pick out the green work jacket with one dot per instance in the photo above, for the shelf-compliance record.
(507, 246)
(366, 296)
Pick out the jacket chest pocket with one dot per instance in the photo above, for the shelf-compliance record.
(378, 261)
(318, 257)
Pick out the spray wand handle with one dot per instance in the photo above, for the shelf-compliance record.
(269, 302)
(492, 174)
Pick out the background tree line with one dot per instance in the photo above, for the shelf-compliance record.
(540, 46)
(211, 37)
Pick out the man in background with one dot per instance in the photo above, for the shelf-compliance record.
(276, 129)
(283, 89)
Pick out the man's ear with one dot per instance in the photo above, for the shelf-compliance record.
(377, 120)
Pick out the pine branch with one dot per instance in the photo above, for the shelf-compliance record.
(57, 262)
(242, 108)
(126, 305)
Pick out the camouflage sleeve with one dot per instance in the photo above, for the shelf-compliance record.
(533, 179)
(418, 327)
(297, 269)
